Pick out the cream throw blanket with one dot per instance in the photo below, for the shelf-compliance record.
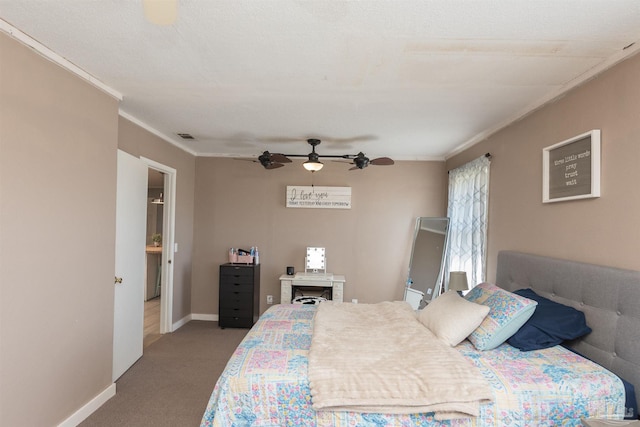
(380, 358)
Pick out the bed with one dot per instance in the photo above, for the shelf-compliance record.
(266, 382)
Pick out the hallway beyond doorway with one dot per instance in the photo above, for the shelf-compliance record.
(151, 321)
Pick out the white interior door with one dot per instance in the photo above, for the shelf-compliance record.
(131, 216)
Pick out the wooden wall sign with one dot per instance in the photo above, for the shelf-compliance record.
(571, 168)
(318, 197)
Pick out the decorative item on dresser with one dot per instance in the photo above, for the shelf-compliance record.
(239, 298)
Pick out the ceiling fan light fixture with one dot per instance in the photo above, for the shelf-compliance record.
(313, 165)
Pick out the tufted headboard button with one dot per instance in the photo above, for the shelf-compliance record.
(618, 313)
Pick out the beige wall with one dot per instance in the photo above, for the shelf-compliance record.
(605, 230)
(58, 145)
(139, 142)
(240, 204)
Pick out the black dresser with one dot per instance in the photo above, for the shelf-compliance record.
(239, 295)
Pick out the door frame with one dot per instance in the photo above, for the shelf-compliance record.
(168, 243)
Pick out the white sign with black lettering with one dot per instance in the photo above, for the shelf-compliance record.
(318, 197)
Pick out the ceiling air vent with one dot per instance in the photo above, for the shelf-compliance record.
(186, 136)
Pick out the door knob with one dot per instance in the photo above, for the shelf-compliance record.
(118, 280)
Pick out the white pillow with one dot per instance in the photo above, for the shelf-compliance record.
(452, 318)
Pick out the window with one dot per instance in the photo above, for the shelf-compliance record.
(467, 212)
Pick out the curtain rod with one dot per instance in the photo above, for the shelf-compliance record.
(487, 155)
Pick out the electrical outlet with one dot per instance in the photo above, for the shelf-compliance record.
(354, 300)
(269, 299)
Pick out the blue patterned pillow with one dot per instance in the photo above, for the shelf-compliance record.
(507, 313)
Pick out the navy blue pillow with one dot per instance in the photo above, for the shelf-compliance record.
(550, 325)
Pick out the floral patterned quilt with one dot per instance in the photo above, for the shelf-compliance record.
(265, 384)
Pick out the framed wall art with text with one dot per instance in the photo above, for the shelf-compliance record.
(571, 168)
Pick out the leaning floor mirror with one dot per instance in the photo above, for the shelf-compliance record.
(426, 265)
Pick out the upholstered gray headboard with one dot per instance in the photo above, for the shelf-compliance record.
(609, 298)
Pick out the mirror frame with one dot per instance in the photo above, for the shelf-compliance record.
(428, 296)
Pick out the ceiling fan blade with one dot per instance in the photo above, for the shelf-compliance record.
(349, 162)
(280, 158)
(382, 161)
(274, 166)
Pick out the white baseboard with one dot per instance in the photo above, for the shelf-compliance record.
(194, 316)
(83, 413)
(180, 323)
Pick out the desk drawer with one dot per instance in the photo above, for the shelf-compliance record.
(317, 283)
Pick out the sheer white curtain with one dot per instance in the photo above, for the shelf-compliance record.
(467, 212)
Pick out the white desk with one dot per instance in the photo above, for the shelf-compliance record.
(330, 281)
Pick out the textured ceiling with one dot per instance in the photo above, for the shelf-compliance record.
(404, 79)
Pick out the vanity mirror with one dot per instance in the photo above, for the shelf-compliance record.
(315, 260)
(427, 260)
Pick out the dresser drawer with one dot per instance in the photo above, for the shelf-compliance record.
(235, 322)
(246, 269)
(226, 288)
(236, 279)
(236, 298)
(236, 270)
(236, 311)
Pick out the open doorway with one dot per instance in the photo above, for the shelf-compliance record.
(153, 256)
(164, 179)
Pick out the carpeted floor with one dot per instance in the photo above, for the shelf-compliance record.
(171, 384)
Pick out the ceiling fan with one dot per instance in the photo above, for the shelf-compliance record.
(313, 164)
